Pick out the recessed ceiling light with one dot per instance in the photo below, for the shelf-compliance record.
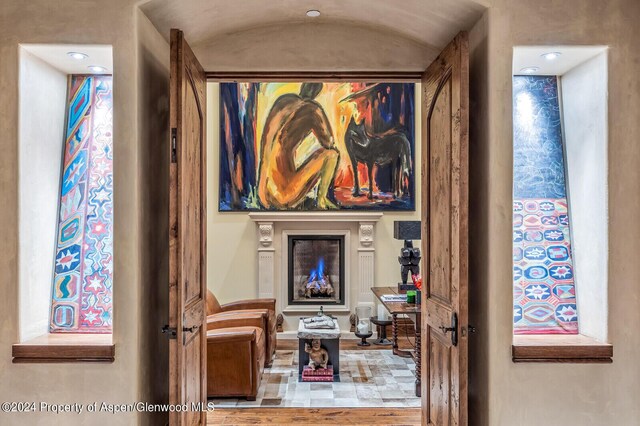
(529, 70)
(313, 13)
(550, 56)
(97, 68)
(77, 55)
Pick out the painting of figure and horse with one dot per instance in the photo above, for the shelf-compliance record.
(317, 146)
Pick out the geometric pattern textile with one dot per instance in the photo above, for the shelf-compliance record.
(544, 290)
(83, 266)
(544, 294)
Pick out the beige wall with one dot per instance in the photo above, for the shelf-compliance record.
(153, 134)
(314, 47)
(43, 95)
(504, 393)
(584, 108)
(232, 264)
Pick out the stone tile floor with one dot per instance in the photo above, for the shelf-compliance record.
(373, 378)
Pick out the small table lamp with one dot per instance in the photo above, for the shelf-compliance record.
(409, 259)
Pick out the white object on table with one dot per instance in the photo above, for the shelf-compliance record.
(382, 312)
(363, 327)
(318, 333)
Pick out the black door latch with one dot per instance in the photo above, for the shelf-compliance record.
(453, 329)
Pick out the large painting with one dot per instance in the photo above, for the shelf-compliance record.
(317, 146)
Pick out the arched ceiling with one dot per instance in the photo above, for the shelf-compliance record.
(349, 34)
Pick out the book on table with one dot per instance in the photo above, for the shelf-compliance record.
(393, 297)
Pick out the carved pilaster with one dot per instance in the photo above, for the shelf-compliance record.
(266, 260)
(366, 262)
(265, 234)
(366, 235)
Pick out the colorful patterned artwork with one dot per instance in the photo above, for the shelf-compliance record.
(544, 293)
(82, 282)
(316, 146)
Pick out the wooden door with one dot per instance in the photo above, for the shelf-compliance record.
(445, 170)
(187, 244)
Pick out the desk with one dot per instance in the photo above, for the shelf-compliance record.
(395, 309)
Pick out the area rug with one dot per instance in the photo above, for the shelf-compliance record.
(368, 379)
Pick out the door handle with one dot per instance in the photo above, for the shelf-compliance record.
(190, 329)
(453, 329)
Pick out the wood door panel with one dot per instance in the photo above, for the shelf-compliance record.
(439, 378)
(187, 242)
(445, 117)
(439, 125)
(192, 134)
(193, 376)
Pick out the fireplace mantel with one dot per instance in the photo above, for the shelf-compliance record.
(315, 216)
(272, 229)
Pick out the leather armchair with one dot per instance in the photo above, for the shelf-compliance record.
(266, 307)
(235, 357)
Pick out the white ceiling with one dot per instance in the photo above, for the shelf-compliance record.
(56, 56)
(571, 56)
(343, 28)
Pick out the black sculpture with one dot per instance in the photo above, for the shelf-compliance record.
(409, 258)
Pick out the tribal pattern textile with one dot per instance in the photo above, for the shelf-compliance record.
(82, 282)
(544, 292)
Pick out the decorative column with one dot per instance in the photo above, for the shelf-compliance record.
(266, 260)
(366, 263)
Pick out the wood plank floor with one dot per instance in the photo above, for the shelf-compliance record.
(315, 416)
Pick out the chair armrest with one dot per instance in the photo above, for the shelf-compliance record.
(249, 320)
(250, 304)
(228, 335)
(263, 312)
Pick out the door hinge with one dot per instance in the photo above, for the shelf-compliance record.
(174, 149)
(171, 331)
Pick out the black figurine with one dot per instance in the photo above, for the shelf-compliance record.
(409, 260)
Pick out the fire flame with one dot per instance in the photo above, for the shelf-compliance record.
(317, 274)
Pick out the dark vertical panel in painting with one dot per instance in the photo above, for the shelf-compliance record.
(237, 144)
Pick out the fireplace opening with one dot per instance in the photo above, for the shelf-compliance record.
(316, 269)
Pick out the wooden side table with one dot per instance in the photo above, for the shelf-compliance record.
(403, 308)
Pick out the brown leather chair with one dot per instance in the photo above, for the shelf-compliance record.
(261, 306)
(236, 353)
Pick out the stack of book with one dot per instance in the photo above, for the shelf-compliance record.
(317, 375)
(394, 297)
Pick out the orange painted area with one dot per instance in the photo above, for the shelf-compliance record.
(338, 111)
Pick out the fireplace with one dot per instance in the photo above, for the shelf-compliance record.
(316, 269)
